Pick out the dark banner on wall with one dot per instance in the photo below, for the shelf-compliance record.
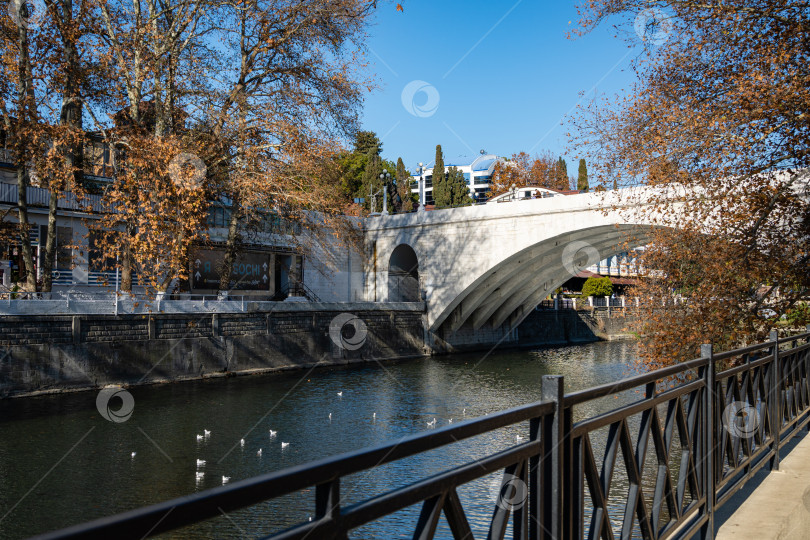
(251, 271)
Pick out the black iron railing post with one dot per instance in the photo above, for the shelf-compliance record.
(775, 399)
(327, 501)
(536, 498)
(709, 443)
(553, 389)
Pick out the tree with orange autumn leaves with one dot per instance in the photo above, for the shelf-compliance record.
(198, 101)
(721, 111)
(522, 170)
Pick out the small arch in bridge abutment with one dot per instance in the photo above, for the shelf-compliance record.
(403, 275)
(508, 291)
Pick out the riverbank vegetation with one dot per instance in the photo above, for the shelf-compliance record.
(165, 110)
(721, 114)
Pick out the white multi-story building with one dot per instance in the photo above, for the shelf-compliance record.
(477, 174)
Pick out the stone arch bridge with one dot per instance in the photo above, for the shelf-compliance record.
(484, 268)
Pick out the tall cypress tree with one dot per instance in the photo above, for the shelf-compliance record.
(562, 174)
(371, 180)
(404, 200)
(582, 178)
(441, 195)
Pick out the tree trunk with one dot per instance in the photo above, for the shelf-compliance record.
(30, 281)
(70, 116)
(231, 247)
(50, 243)
(126, 267)
(26, 118)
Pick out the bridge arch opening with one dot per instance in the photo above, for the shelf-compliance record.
(509, 290)
(403, 275)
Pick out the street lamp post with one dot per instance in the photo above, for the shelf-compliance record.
(385, 176)
(421, 207)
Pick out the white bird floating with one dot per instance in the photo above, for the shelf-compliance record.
(199, 475)
(285, 444)
(518, 438)
(207, 433)
(374, 416)
(200, 463)
(259, 453)
(226, 479)
(273, 433)
(450, 421)
(199, 438)
(133, 454)
(330, 417)
(431, 424)
(340, 394)
(242, 443)
(464, 412)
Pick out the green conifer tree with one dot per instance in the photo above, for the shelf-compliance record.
(366, 141)
(562, 174)
(405, 200)
(371, 181)
(582, 178)
(457, 186)
(441, 195)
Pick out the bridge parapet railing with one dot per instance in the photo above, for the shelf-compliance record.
(657, 467)
(112, 303)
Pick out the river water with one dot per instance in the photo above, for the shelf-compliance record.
(62, 463)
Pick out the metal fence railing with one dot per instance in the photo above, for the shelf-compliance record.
(679, 448)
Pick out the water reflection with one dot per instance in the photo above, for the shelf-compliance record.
(98, 476)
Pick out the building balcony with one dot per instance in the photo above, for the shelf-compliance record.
(40, 197)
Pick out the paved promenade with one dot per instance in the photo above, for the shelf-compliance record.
(777, 504)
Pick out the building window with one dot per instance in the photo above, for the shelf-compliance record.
(218, 216)
(5, 153)
(483, 179)
(97, 159)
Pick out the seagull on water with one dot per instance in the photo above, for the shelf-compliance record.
(225, 480)
(199, 475)
(330, 417)
(431, 424)
(200, 463)
(518, 438)
(340, 394)
(285, 444)
(259, 453)
(133, 454)
(199, 438)
(242, 443)
(273, 433)
(207, 433)
(374, 416)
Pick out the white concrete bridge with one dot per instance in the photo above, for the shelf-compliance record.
(482, 269)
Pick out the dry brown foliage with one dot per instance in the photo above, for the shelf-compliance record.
(721, 111)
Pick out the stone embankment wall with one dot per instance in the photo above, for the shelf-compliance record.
(56, 353)
(558, 327)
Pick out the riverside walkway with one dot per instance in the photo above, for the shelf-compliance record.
(778, 507)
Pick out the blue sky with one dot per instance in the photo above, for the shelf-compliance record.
(504, 73)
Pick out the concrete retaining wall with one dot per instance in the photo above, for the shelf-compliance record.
(59, 353)
(558, 327)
